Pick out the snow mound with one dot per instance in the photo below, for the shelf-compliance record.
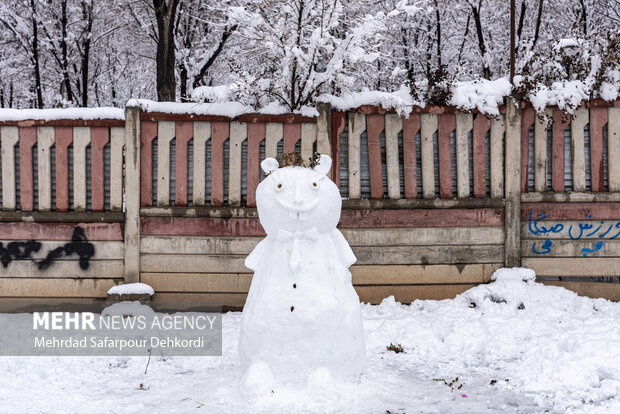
(131, 289)
(87, 114)
(550, 346)
(481, 94)
(128, 308)
(516, 288)
(516, 273)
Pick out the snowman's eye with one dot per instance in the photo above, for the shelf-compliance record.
(279, 187)
(315, 185)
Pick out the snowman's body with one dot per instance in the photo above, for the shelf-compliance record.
(302, 313)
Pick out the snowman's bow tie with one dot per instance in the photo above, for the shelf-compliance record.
(284, 236)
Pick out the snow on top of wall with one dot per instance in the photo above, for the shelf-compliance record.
(566, 95)
(228, 109)
(275, 108)
(481, 94)
(401, 101)
(131, 289)
(10, 114)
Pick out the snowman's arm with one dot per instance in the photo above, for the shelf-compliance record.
(255, 258)
(345, 254)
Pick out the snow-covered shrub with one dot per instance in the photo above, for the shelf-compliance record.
(575, 69)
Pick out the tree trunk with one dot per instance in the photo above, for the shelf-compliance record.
(165, 13)
(87, 14)
(486, 72)
(584, 17)
(293, 81)
(520, 26)
(183, 76)
(35, 55)
(64, 51)
(438, 29)
(464, 38)
(538, 21)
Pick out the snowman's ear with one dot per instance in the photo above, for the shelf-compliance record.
(324, 164)
(269, 165)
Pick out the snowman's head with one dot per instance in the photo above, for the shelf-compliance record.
(298, 198)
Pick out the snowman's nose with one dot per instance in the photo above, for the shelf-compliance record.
(299, 199)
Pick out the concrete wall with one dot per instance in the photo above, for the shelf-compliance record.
(434, 203)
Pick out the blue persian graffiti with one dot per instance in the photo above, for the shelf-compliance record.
(598, 246)
(544, 249)
(583, 230)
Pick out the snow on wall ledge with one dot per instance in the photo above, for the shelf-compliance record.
(401, 101)
(87, 114)
(483, 95)
(229, 109)
(131, 289)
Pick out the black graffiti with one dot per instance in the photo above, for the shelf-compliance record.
(18, 251)
(79, 245)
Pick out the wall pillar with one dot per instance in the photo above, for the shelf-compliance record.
(512, 252)
(132, 194)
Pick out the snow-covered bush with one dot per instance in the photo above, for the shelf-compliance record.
(570, 72)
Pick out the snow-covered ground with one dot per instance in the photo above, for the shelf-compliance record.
(511, 346)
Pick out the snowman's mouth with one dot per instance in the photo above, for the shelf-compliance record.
(298, 211)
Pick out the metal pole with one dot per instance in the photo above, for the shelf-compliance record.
(512, 40)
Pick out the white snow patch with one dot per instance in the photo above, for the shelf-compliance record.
(401, 101)
(128, 308)
(516, 273)
(228, 109)
(481, 94)
(568, 42)
(610, 90)
(220, 93)
(131, 289)
(87, 114)
(566, 95)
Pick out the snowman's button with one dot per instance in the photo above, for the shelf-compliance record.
(292, 308)
(294, 285)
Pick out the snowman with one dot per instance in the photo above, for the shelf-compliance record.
(302, 319)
